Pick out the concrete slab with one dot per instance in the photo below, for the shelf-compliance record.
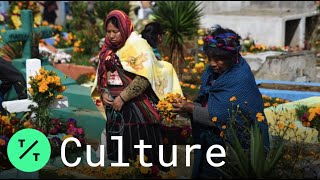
(256, 60)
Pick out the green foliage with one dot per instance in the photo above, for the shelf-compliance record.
(87, 30)
(45, 87)
(84, 78)
(255, 162)
(288, 158)
(180, 20)
(80, 19)
(102, 8)
(301, 110)
(89, 40)
(251, 163)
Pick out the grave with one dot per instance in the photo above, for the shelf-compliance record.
(16, 106)
(292, 91)
(81, 106)
(286, 113)
(290, 66)
(287, 75)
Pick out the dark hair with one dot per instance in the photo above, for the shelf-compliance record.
(151, 32)
(114, 21)
(228, 56)
(46, 4)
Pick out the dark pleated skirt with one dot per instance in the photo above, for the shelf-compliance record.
(133, 127)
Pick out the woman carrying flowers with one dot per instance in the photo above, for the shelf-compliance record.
(227, 81)
(131, 81)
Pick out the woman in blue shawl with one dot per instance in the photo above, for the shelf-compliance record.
(227, 83)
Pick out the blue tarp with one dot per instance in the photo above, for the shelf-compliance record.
(291, 95)
(51, 40)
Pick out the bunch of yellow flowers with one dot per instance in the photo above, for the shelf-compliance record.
(15, 12)
(165, 107)
(46, 86)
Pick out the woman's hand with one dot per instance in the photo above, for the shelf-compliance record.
(117, 103)
(183, 106)
(107, 99)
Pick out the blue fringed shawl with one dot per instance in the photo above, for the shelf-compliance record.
(237, 81)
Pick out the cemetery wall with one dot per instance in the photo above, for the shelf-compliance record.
(298, 67)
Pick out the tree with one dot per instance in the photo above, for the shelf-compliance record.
(102, 8)
(180, 20)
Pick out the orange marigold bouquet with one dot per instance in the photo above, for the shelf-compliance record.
(165, 107)
(45, 88)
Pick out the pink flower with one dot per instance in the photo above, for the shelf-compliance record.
(155, 170)
(55, 121)
(80, 131)
(304, 118)
(53, 131)
(81, 140)
(70, 125)
(41, 130)
(57, 126)
(72, 131)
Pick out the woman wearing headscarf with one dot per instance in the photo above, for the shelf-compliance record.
(131, 81)
(227, 84)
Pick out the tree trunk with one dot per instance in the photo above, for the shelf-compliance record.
(196, 58)
(181, 60)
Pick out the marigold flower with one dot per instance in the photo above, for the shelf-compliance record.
(63, 88)
(45, 23)
(281, 125)
(233, 98)
(260, 117)
(266, 104)
(192, 86)
(221, 134)
(200, 42)
(31, 91)
(291, 125)
(214, 119)
(27, 124)
(2, 142)
(67, 136)
(43, 87)
(59, 96)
